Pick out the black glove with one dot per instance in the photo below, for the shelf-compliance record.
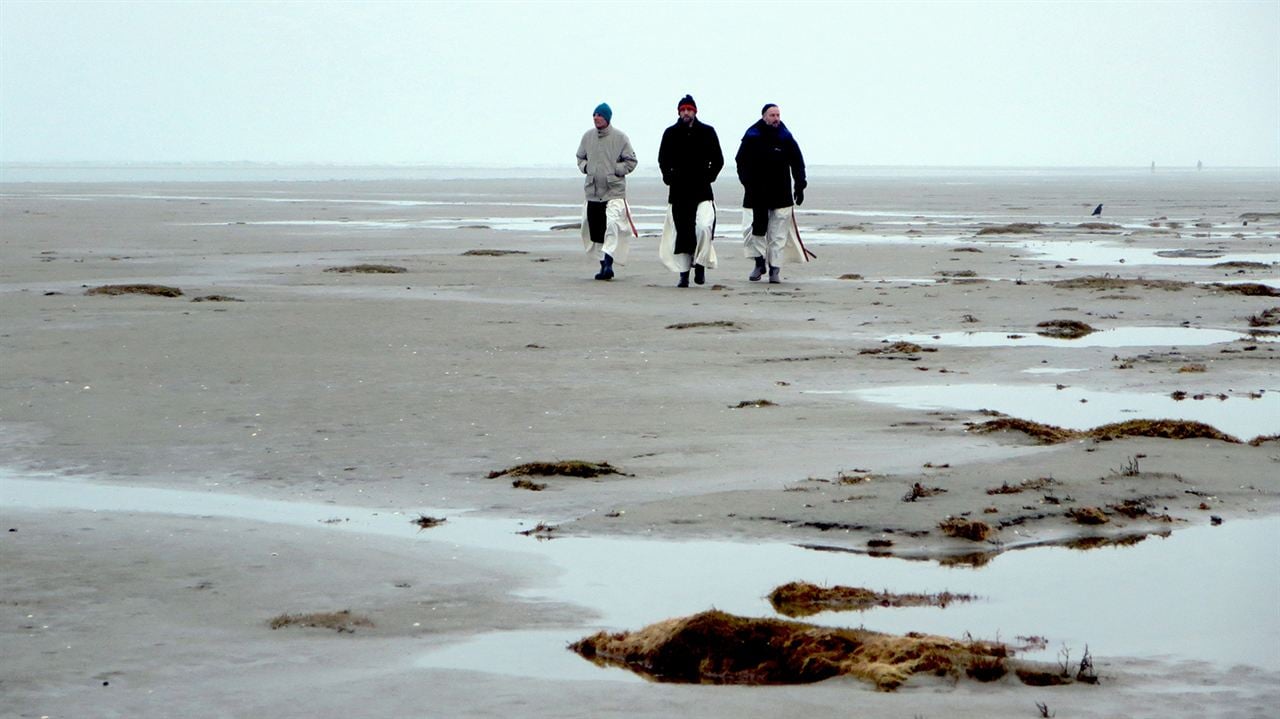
(799, 196)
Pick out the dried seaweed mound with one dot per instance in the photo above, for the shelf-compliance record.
(1065, 329)
(1163, 428)
(719, 648)
(1045, 433)
(800, 599)
(343, 621)
(1166, 428)
(901, 347)
(492, 253)
(1249, 289)
(568, 468)
(1015, 228)
(369, 269)
(727, 324)
(154, 290)
(1094, 282)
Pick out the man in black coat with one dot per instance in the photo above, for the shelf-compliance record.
(690, 159)
(768, 159)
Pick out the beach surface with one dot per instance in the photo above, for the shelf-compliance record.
(176, 472)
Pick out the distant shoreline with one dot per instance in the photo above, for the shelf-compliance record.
(91, 172)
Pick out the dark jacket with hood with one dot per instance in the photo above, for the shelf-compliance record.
(691, 159)
(767, 160)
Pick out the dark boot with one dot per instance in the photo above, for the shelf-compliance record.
(699, 274)
(773, 276)
(606, 268)
(684, 280)
(758, 272)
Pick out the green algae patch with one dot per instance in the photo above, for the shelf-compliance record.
(368, 269)
(568, 468)
(801, 599)
(340, 622)
(143, 289)
(715, 647)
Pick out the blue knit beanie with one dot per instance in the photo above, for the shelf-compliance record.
(603, 110)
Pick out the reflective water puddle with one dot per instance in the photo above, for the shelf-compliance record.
(1114, 337)
(1242, 416)
(1093, 252)
(1205, 593)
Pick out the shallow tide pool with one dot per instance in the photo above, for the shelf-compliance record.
(1203, 593)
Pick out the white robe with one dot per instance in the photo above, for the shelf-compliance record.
(704, 252)
(617, 232)
(782, 242)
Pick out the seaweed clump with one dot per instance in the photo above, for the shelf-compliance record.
(1094, 282)
(343, 621)
(492, 253)
(974, 530)
(567, 468)
(727, 324)
(715, 647)
(801, 599)
(1160, 428)
(1065, 329)
(901, 347)
(368, 269)
(1015, 228)
(1249, 289)
(141, 289)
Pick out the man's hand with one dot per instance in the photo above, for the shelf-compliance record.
(799, 196)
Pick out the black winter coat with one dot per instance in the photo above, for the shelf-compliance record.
(691, 159)
(767, 160)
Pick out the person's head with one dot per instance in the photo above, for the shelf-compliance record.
(771, 115)
(687, 109)
(602, 115)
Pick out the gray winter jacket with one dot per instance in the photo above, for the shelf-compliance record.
(605, 157)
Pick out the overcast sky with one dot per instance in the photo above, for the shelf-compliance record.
(955, 83)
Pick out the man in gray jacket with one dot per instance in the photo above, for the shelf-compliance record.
(606, 158)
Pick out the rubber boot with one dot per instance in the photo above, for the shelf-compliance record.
(758, 272)
(773, 276)
(606, 268)
(684, 280)
(699, 274)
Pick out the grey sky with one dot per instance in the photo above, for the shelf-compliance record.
(1023, 84)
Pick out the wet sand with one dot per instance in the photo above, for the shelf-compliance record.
(399, 393)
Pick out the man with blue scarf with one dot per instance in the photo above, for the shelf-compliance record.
(768, 159)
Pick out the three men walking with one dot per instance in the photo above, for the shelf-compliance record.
(690, 158)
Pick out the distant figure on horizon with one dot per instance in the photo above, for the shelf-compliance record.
(1097, 211)
(768, 159)
(690, 159)
(606, 158)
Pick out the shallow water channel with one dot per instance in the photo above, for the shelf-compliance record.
(1203, 593)
(1240, 415)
